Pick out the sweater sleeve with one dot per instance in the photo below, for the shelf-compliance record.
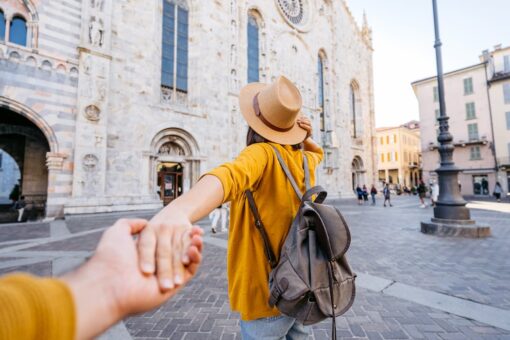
(35, 308)
(243, 173)
(315, 158)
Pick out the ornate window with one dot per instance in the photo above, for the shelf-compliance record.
(320, 72)
(253, 48)
(18, 31)
(355, 111)
(174, 69)
(2, 25)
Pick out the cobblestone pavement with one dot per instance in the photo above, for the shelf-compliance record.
(386, 243)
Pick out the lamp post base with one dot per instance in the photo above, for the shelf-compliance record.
(458, 228)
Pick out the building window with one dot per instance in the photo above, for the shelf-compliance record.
(353, 112)
(388, 156)
(395, 139)
(475, 153)
(2, 26)
(437, 116)
(387, 139)
(508, 122)
(470, 111)
(382, 140)
(436, 94)
(253, 49)
(473, 131)
(468, 86)
(507, 63)
(396, 156)
(174, 69)
(320, 71)
(382, 158)
(18, 31)
(506, 93)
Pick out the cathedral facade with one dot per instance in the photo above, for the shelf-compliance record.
(122, 105)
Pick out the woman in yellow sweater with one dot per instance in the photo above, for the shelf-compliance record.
(274, 119)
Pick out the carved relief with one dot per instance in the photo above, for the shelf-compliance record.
(171, 149)
(90, 163)
(92, 113)
(97, 4)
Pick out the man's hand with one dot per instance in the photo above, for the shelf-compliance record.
(111, 286)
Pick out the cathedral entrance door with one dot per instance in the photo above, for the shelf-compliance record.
(169, 181)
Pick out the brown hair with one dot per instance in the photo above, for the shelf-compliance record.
(253, 137)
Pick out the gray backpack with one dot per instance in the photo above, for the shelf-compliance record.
(312, 278)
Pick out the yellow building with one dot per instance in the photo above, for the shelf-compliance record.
(398, 152)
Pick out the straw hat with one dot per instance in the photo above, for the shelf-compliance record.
(272, 110)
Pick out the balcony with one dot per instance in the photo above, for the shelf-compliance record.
(504, 162)
(462, 143)
(499, 76)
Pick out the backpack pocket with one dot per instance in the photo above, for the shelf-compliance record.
(344, 293)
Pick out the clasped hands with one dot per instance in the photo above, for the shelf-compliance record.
(129, 275)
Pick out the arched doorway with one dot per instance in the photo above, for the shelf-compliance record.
(175, 164)
(24, 148)
(358, 172)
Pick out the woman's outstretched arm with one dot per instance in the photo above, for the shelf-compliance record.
(163, 243)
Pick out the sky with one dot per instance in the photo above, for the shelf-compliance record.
(403, 37)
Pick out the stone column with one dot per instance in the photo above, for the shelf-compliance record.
(7, 29)
(89, 181)
(54, 204)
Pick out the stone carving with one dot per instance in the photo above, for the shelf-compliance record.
(97, 4)
(87, 65)
(96, 32)
(171, 149)
(92, 113)
(90, 163)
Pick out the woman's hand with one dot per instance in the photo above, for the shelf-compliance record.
(306, 124)
(163, 248)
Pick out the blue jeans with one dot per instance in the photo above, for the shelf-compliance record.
(274, 328)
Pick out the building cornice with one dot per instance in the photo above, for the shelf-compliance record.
(448, 74)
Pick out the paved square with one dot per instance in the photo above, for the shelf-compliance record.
(388, 251)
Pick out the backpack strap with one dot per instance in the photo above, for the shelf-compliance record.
(260, 227)
(307, 172)
(287, 172)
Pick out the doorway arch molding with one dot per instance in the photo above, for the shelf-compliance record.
(34, 117)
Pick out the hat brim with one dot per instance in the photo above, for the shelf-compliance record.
(294, 136)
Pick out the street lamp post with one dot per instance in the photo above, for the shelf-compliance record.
(451, 216)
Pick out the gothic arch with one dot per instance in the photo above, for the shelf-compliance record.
(34, 117)
(178, 136)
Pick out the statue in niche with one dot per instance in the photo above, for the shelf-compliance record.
(92, 113)
(171, 149)
(96, 32)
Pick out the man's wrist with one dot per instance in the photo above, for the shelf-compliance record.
(93, 294)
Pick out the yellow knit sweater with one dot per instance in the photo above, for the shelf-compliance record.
(257, 169)
(35, 308)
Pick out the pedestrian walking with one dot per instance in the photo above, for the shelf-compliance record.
(387, 195)
(422, 193)
(359, 193)
(276, 130)
(220, 213)
(434, 193)
(20, 207)
(497, 191)
(365, 193)
(373, 192)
